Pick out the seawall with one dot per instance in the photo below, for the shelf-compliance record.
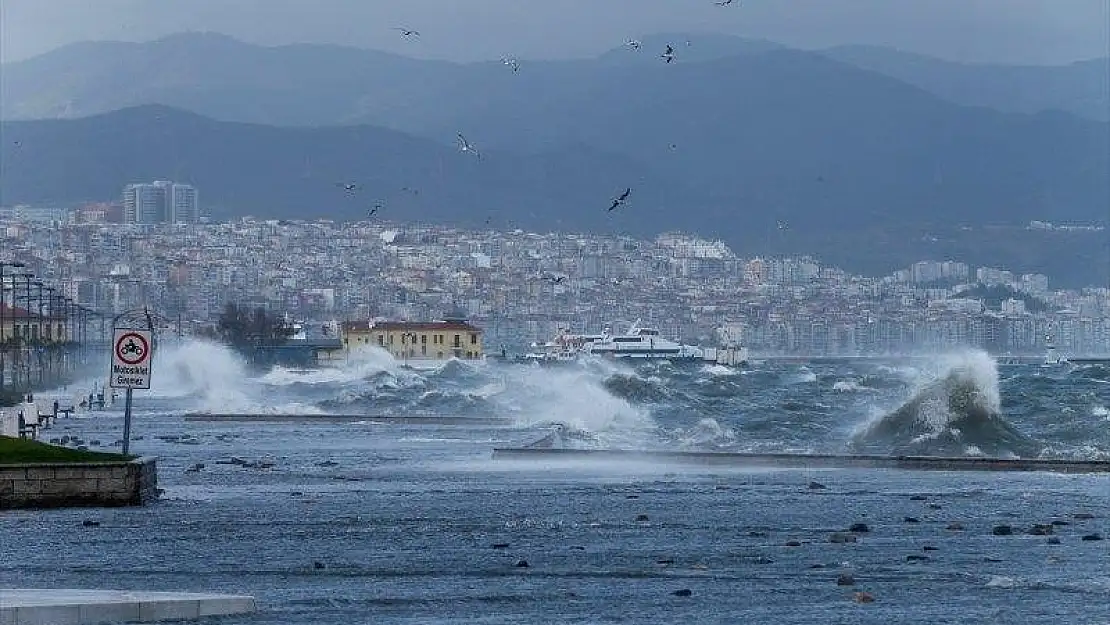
(808, 461)
(59, 485)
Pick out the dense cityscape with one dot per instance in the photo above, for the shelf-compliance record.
(523, 287)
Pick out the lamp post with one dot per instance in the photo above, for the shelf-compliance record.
(3, 321)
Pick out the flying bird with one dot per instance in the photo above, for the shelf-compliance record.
(411, 190)
(668, 54)
(466, 146)
(408, 33)
(724, 3)
(347, 186)
(511, 63)
(619, 200)
(633, 43)
(377, 207)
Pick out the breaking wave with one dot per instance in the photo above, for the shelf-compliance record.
(956, 414)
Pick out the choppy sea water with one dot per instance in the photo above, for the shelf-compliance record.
(364, 522)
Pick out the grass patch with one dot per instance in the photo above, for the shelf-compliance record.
(23, 451)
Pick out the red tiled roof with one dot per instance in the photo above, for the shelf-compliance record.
(410, 326)
(9, 313)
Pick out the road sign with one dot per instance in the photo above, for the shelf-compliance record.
(131, 351)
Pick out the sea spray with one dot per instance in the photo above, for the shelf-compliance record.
(575, 398)
(957, 412)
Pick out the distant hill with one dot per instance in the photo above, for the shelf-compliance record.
(1081, 88)
(277, 172)
(282, 172)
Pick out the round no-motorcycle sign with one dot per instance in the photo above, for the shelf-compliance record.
(131, 351)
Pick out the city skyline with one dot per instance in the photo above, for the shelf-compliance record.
(523, 287)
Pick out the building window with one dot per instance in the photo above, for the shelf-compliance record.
(473, 339)
(458, 341)
(381, 340)
(423, 339)
(390, 339)
(423, 350)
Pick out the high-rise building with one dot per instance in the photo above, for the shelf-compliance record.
(161, 201)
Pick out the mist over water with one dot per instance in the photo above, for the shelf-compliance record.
(951, 404)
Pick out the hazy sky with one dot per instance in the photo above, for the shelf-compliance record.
(1020, 31)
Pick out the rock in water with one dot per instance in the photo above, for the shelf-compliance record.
(957, 415)
(1002, 530)
(683, 592)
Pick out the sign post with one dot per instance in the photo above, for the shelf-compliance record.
(131, 352)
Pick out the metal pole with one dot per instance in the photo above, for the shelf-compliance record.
(126, 422)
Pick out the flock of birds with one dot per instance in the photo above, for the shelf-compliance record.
(465, 146)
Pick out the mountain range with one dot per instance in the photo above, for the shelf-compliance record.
(308, 84)
(749, 141)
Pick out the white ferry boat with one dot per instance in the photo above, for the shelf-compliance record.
(637, 343)
(642, 343)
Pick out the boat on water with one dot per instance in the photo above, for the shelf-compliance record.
(642, 343)
(637, 343)
(1053, 358)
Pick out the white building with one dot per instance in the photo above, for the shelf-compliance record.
(161, 201)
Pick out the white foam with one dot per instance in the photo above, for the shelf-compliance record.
(575, 397)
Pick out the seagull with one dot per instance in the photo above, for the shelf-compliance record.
(633, 43)
(724, 3)
(411, 190)
(347, 186)
(668, 53)
(377, 206)
(465, 146)
(619, 200)
(511, 63)
(408, 33)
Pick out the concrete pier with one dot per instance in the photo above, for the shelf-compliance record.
(807, 461)
(347, 418)
(91, 607)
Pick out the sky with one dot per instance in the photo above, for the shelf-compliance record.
(999, 31)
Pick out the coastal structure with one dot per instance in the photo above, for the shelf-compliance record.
(416, 342)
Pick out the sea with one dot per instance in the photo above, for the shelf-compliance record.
(366, 521)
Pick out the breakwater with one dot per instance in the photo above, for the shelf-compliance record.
(74, 484)
(809, 461)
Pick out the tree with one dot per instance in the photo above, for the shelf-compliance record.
(245, 330)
